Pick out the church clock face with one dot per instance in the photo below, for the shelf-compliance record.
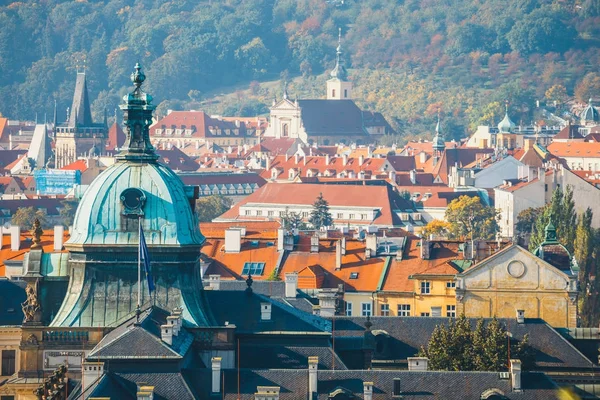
(133, 200)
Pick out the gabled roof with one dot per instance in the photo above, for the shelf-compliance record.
(79, 165)
(402, 163)
(331, 118)
(569, 132)
(116, 137)
(457, 157)
(200, 124)
(142, 341)
(177, 160)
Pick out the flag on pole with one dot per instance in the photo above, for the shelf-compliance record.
(144, 257)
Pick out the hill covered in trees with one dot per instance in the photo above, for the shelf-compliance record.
(407, 58)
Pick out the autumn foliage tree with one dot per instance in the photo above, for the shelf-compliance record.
(469, 218)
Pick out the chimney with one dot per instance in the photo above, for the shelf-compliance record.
(417, 363)
(177, 313)
(520, 316)
(145, 392)
(413, 176)
(233, 240)
(173, 321)
(214, 282)
(280, 239)
(90, 373)
(166, 334)
(291, 284)
(423, 157)
(327, 298)
(314, 243)
(59, 231)
(296, 158)
(265, 311)
(392, 176)
(287, 157)
(361, 160)
(327, 159)
(216, 374)
(372, 244)
(343, 244)
(345, 159)
(338, 255)
(425, 249)
(268, 163)
(15, 238)
(368, 390)
(515, 375)
(267, 393)
(313, 365)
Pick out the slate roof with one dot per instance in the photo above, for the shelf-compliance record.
(285, 356)
(409, 334)
(243, 311)
(123, 386)
(332, 118)
(177, 160)
(414, 385)
(142, 341)
(80, 113)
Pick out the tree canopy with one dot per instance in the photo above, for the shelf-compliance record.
(24, 217)
(458, 346)
(320, 217)
(210, 207)
(402, 57)
(468, 218)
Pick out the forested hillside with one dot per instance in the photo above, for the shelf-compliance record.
(407, 58)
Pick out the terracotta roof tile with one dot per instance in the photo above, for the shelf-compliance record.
(575, 149)
(6, 254)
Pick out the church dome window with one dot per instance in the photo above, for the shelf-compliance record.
(133, 200)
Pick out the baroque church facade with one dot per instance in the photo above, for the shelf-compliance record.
(335, 119)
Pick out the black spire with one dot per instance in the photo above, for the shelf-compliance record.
(137, 117)
(81, 113)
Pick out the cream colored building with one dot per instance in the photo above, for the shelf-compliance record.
(514, 279)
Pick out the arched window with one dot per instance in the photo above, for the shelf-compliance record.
(333, 93)
(284, 130)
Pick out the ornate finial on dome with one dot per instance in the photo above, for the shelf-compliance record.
(137, 117)
(138, 77)
(36, 234)
(339, 72)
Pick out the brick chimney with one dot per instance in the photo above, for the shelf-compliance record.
(338, 255)
(265, 311)
(214, 282)
(520, 316)
(368, 390)
(166, 334)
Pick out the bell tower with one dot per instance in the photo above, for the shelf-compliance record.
(338, 86)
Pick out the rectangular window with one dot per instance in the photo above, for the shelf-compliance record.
(345, 93)
(7, 397)
(258, 213)
(282, 213)
(351, 216)
(425, 287)
(305, 214)
(340, 215)
(363, 216)
(8, 362)
(404, 310)
(450, 311)
(366, 309)
(270, 213)
(424, 314)
(451, 285)
(385, 310)
(353, 275)
(247, 212)
(253, 268)
(348, 309)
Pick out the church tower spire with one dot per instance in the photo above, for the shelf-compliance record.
(338, 86)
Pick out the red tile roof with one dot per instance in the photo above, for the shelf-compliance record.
(116, 137)
(6, 254)
(79, 165)
(177, 160)
(318, 165)
(575, 149)
(201, 125)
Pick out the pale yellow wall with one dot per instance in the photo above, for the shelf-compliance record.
(539, 289)
(440, 296)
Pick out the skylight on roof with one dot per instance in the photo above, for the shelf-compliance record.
(353, 275)
(253, 268)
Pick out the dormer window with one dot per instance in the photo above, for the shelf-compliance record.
(133, 201)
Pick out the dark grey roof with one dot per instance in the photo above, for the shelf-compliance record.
(332, 118)
(267, 288)
(167, 386)
(80, 111)
(280, 356)
(414, 385)
(408, 334)
(142, 341)
(13, 294)
(243, 310)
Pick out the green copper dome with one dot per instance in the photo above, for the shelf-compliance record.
(506, 125)
(590, 114)
(339, 71)
(103, 217)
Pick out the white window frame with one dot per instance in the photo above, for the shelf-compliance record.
(385, 310)
(404, 310)
(425, 287)
(366, 309)
(451, 284)
(451, 311)
(348, 308)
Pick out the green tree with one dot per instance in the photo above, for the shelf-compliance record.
(320, 217)
(67, 212)
(469, 218)
(561, 211)
(210, 207)
(526, 220)
(25, 216)
(458, 347)
(292, 220)
(557, 93)
(586, 260)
